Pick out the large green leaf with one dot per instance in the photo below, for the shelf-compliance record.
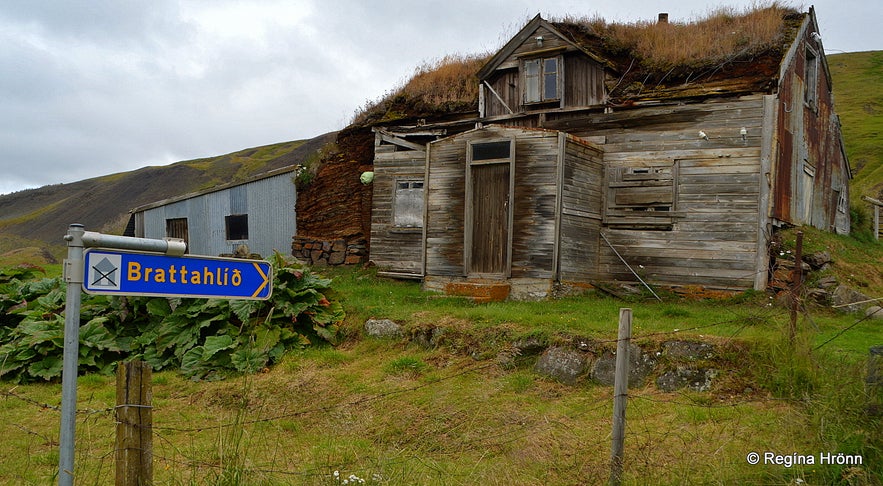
(248, 360)
(214, 344)
(47, 368)
(94, 334)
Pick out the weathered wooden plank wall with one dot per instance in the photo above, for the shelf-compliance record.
(715, 213)
(445, 207)
(583, 77)
(395, 249)
(581, 195)
(536, 187)
(534, 211)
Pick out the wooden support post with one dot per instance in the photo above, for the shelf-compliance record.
(620, 395)
(877, 222)
(134, 416)
(796, 283)
(874, 381)
(876, 204)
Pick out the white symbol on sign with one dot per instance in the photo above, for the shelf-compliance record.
(104, 273)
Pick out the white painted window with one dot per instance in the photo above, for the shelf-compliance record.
(408, 210)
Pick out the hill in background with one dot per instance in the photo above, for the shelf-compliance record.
(858, 100)
(38, 218)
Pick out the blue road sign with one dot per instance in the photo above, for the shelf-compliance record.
(115, 272)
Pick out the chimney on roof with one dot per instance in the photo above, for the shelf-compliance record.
(663, 18)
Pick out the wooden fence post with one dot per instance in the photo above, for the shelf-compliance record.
(134, 417)
(620, 395)
(874, 381)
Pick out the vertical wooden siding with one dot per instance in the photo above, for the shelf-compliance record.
(583, 78)
(533, 226)
(445, 206)
(395, 249)
(809, 134)
(581, 192)
(536, 189)
(714, 238)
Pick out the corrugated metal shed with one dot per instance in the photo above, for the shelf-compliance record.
(258, 213)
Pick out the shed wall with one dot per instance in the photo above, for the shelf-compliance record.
(811, 169)
(581, 211)
(268, 202)
(713, 238)
(395, 249)
(533, 231)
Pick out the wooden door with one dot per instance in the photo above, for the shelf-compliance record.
(177, 228)
(489, 248)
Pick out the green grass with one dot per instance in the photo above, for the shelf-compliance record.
(470, 422)
(454, 410)
(860, 106)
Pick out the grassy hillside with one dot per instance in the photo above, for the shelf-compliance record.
(455, 401)
(858, 92)
(40, 217)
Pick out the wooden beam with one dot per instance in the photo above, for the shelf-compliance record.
(401, 142)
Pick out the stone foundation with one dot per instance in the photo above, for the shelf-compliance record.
(341, 251)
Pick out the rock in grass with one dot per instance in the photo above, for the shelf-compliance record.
(562, 364)
(383, 328)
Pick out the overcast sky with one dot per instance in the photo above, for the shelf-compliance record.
(90, 88)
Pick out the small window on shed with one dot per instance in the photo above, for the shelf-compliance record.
(177, 228)
(237, 226)
(641, 197)
(811, 79)
(408, 204)
(842, 203)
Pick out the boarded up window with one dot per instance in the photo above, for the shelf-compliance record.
(811, 78)
(842, 203)
(237, 226)
(408, 211)
(641, 197)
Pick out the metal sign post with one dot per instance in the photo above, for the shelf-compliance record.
(73, 275)
(126, 273)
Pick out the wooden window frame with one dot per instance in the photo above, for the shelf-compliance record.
(811, 79)
(541, 80)
(411, 182)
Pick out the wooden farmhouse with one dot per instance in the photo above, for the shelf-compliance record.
(586, 163)
(257, 214)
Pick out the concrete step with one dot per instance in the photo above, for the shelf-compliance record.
(480, 291)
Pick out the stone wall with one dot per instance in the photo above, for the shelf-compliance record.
(339, 251)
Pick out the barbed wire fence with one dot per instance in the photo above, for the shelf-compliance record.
(673, 431)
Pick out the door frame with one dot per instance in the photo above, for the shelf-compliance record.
(469, 217)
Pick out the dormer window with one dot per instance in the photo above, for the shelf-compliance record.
(541, 80)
